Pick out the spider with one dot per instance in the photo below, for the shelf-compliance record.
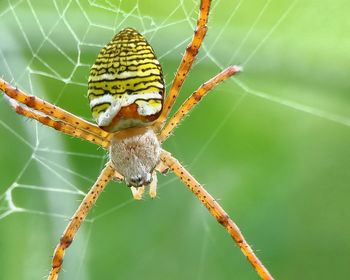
(127, 98)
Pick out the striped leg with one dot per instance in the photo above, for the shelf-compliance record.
(217, 211)
(162, 168)
(153, 185)
(60, 125)
(194, 99)
(51, 110)
(186, 62)
(78, 218)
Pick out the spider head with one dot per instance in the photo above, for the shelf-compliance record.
(139, 180)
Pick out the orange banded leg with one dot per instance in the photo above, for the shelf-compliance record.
(186, 62)
(60, 125)
(217, 211)
(78, 218)
(50, 110)
(162, 168)
(195, 98)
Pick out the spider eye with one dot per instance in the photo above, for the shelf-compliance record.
(139, 180)
(126, 85)
(136, 181)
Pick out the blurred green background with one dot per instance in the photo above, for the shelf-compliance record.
(272, 145)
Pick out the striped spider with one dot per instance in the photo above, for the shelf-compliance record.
(126, 94)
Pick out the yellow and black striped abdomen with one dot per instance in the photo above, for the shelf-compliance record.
(126, 86)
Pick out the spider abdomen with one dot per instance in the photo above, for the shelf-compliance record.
(135, 152)
(126, 85)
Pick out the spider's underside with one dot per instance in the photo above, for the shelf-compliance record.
(126, 92)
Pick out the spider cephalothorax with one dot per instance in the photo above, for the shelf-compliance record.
(126, 91)
(135, 153)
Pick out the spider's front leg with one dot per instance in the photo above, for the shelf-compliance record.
(217, 211)
(79, 216)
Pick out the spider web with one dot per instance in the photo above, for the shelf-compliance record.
(270, 144)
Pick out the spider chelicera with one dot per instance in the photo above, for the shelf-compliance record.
(126, 95)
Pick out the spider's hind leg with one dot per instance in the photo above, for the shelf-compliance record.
(56, 124)
(194, 99)
(41, 109)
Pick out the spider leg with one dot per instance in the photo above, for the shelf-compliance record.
(186, 62)
(117, 176)
(153, 185)
(216, 210)
(59, 125)
(78, 218)
(194, 99)
(162, 168)
(50, 110)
